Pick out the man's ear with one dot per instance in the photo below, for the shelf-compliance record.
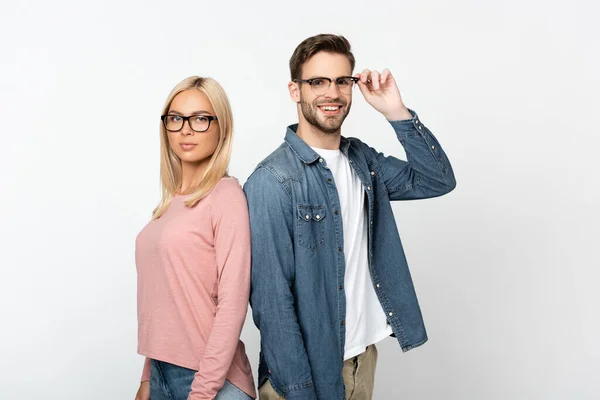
(294, 89)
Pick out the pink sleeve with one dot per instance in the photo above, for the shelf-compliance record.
(232, 247)
(146, 370)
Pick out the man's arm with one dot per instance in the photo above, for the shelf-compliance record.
(428, 172)
(271, 298)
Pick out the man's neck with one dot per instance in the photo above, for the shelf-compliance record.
(316, 138)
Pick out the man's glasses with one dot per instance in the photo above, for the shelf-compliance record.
(198, 123)
(321, 85)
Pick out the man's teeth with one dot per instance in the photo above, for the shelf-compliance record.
(330, 108)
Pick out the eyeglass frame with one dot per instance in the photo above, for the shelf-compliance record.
(209, 117)
(310, 81)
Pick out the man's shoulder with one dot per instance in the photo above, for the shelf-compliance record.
(357, 145)
(282, 163)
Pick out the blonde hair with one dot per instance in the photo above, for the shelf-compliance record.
(170, 164)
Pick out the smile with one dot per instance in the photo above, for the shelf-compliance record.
(330, 109)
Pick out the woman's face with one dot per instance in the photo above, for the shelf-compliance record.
(188, 143)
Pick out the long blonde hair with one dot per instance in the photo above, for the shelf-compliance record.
(170, 164)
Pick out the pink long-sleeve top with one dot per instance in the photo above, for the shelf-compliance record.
(193, 285)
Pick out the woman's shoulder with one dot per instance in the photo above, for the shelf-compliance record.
(228, 184)
(228, 189)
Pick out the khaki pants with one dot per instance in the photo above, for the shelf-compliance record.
(358, 374)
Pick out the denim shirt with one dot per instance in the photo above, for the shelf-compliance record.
(297, 294)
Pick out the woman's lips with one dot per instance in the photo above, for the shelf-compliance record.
(187, 146)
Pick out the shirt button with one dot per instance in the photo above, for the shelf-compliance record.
(368, 187)
(378, 285)
(342, 322)
(390, 314)
(318, 217)
(420, 127)
(328, 179)
(307, 217)
(417, 121)
(372, 173)
(339, 249)
(341, 287)
(336, 212)
(320, 160)
(432, 147)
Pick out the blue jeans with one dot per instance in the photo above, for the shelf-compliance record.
(171, 382)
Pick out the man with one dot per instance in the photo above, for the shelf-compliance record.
(329, 275)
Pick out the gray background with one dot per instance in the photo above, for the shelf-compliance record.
(506, 266)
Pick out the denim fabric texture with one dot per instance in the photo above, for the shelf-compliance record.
(172, 382)
(297, 295)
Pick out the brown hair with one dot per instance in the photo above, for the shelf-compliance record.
(315, 44)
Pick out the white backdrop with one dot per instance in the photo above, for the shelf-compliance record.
(506, 266)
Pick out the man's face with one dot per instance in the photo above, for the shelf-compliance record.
(325, 105)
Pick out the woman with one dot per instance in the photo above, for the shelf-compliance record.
(193, 257)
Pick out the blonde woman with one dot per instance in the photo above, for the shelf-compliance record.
(193, 257)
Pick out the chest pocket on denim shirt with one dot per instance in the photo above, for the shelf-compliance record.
(311, 228)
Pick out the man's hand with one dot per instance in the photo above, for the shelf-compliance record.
(143, 392)
(382, 93)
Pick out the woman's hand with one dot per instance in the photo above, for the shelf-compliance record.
(143, 392)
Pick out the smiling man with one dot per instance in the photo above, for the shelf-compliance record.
(329, 275)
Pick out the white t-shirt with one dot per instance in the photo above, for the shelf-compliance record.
(365, 319)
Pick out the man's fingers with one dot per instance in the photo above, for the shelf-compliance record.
(364, 76)
(375, 77)
(385, 74)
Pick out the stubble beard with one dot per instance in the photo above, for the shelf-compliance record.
(310, 112)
